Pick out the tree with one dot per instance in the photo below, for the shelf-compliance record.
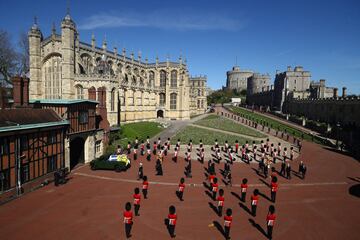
(23, 55)
(8, 56)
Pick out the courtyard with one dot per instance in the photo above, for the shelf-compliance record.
(91, 204)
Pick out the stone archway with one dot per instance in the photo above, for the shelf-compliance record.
(77, 152)
(160, 114)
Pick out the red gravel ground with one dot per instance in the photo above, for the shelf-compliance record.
(90, 205)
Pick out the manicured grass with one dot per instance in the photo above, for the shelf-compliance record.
(207, 136)
(214, 121)
(261, 119)
(130, 131)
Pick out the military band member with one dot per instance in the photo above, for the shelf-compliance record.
(270, 220)
(274, 188)
(191, 145)
(145, 187)
(147, 140)
(148, 151)
(137, 198)
(135, 154)
(220, 200)
(136, 143)
(202, 155)
(236, 146)
(291, 153)
(244, 187)
(142, 148)
(128, 219)
(181, 189)
(172, 217)
(159, 144)
(254, 201)
(283, 167)
(227, 223)
(175, 155)
(285, 154)
(214, 188)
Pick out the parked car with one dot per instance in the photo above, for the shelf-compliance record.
(112, 162)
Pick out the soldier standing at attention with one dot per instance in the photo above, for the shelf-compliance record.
(227, 223)
(159, 143)
(135, 153)
(288, 171)
(142, 148)
(128, 148)
(220, 200)
(236, 146)
(181, 189)
(128, 219)
(254, 201)
(274, 188)
(140, 171)
(214, 188)
(270, 220)
(175, 155)
(137, 198)
(244, 187)
(291, 153)
(154, 148)
(148, 156)
(145, 187)
(172, 217)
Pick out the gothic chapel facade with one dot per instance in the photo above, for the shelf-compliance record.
(63, 67)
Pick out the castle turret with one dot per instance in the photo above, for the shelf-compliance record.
(35, 38)
(68, 31)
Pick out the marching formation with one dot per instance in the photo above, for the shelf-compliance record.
(265, 153)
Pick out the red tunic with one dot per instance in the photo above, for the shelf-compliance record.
(221, 200)
(137, 198)
(236, 146)
(211, 178)
(181, 187)
(128, 217)
(227, 221)
(154, 146)
(254, 200)
(270, 219)
(243, 187)
(214, 187)
(274, 187)
(145, 185)
(172, 219)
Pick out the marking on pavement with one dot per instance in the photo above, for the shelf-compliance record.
(201, 185)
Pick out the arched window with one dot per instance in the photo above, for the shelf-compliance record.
(173, 101)
(173, 78)
(79, 92)
(162, 99)
(112, 100)
(52, 77)
(151, 78)
(162, 78)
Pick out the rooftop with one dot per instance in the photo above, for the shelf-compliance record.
(62, 101)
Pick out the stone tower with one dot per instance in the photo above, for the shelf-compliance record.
(68, 33)
(35, 38)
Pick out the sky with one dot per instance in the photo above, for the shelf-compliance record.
(260, 35)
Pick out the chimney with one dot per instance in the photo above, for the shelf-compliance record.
(336, 93)
(25, 92)
(322, 82)
(17, 91)
(21, 91)
(344, 92)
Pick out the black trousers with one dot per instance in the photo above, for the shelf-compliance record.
(220, 209)
(214, 195)
(243, 196)
(253, 210)
(136, 208)
(145, 191)
(148, 157)
(181, 194)
(128, 229)
(227, 232)
(171, 230)
(273, 196)
(269, 230)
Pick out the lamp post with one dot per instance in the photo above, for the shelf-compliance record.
(337, 134)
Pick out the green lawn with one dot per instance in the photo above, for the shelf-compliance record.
(132, 130)
(214, 121)
(261, 119)
(207, 136)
